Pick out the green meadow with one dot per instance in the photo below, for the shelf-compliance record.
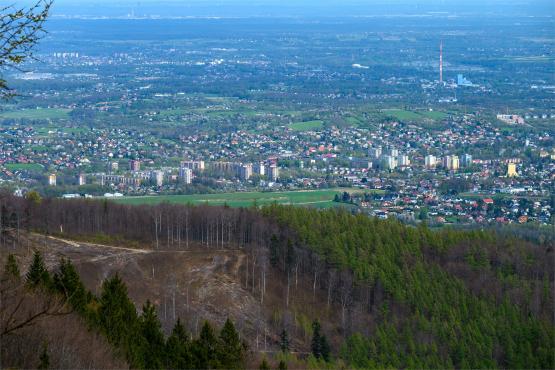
(312, 198)
(407, 115)
(34, 167)
(307, 125)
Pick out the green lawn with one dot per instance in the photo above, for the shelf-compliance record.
(35, 167)
(43, 113)
(313, 198)
(307, 125)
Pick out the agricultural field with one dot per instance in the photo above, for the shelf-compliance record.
(33, 167)
(43, 113)
(307, 125)
(312, 198)
(407, 115)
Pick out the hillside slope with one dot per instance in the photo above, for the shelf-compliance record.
(386, 295)
(37, 328)
(192, 284)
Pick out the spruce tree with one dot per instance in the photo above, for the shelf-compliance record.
(274, 253)
(205, 347)
(178, 351)
(264, 365)
(118, 320)
(290, 257)
(320, 346)
(316, 339)
(11, 270)
(231, 354)
(284, 341)
(282, 365)
(154, 338)
(117, 315)
(325, 348)
(68, 282)
(38, 274)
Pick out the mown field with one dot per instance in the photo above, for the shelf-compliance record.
(407, 115)
(307, 125)
(312, 198)
(33, 167)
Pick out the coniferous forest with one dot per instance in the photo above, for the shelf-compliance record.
(402, 296)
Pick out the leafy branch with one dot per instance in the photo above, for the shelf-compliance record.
(21, 28)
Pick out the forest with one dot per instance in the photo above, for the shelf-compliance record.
(404, 296)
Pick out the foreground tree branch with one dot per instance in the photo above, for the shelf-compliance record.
(21, 28)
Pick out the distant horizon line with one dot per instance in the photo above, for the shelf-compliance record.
(302, 16)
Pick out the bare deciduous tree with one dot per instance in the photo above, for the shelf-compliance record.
(21, 308)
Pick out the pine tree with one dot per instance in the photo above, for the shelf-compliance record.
(231, 349)
(282, 365)
(11, 270)
(44, 358)
(38, 274)
(284, 341)
(154, 338)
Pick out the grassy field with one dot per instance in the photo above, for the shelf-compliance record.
(307, 125)
(35, 167)
(355, 121)
(435, 115)
(406, 115)
(44, 113)
(312, 198)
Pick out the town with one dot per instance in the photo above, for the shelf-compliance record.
(419, 175)
(426, 137)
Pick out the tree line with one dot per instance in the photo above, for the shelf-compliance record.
(164, 226)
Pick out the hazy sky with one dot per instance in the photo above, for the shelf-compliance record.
(317, 3)
(295, 7)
